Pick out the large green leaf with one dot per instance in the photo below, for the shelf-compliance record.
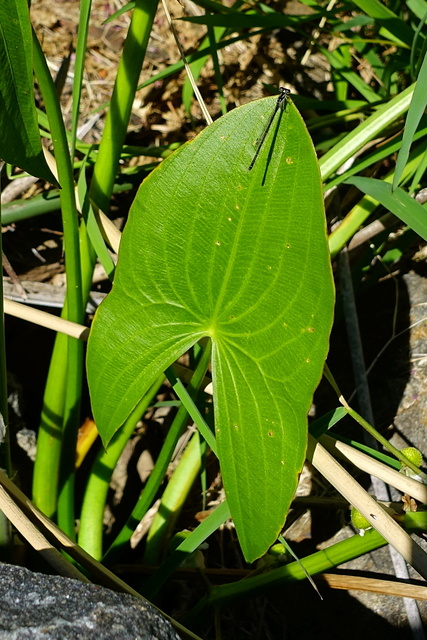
(19, 133)
(213, 249)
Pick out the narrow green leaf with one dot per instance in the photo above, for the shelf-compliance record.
(213, 249)
(384, 151)
(178, 66)
(93, 228)
(327, 421)
(215, 7)
(392, 26)
(398, 202)
(197, 537)
(418, 7)
(358, 21)
(79, 61)
(126, 7)
(20, 140)
(355, 140)
(238, 20)
(209, 42)
(418, 47)
(374, 453)
(337, 61)
(415, 113)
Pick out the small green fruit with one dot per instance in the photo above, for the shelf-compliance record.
(413, 454)
(359, 521)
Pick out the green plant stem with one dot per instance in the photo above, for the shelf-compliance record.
(368, 427)
(44, 203)
(191, 408)
(65, 176)
(385, 443)
(66, 495)
(85, 7)
(206, 528)
(91, 517)
(215, 34)
(45, 481)
(156, 477)
(173, 500)
(121, 102)
(49, 442)
(49, 439)
(74, 307)
(317, 562)
(197, 66)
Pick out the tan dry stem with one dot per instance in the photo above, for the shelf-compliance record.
(324, 462)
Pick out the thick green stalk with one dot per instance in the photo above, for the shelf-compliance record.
(117, 119)
(317, 562)
(121, 102)
(45, 482)
(63, 412)
(46, 466)
(198, 536)
(85, 7)
(66, 179)
(156, 477)
(173, 500)
(49, 442)
(91, 517)
(385, 443)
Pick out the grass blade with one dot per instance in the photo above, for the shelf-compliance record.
(398, 202)
(415, 113)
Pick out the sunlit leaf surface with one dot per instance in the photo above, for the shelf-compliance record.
(213, 249)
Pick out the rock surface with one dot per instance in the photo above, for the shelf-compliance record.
(398, 392)
(44, 607)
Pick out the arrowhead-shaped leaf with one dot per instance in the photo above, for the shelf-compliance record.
(213, 249)
(19, 140)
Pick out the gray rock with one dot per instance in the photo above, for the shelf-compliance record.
(43, 607)
(403, 371)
